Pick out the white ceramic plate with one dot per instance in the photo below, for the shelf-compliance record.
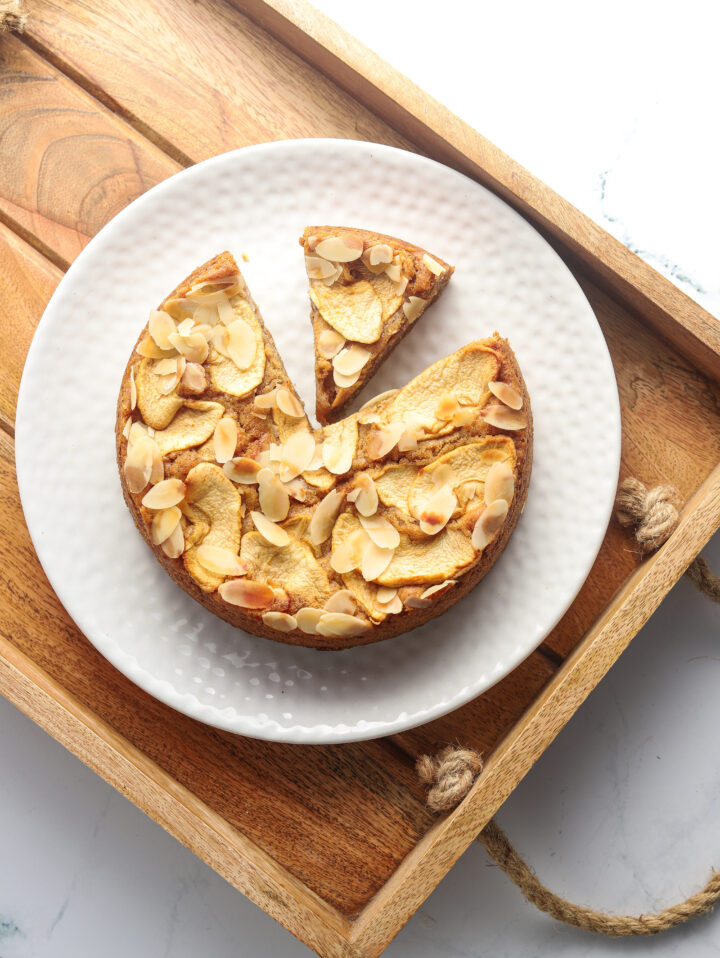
(257, 201)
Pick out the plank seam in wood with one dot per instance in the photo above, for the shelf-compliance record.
(35, 242)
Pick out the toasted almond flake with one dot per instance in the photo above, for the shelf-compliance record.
(489, 524)
(339, 625)
(440, 587)
(193, 347)
(266, 400)
(349, 553)
(165, 367)
(414, 306)
(297, 454)
(401, 286)
(242, 344)
(205, 316)
(148, 348)
(271, 532)
(380, 254)
(444, 475)
(447, 407)
(353, 494)
(186, 326)
(417, 602)
(382, 532)
(384, 439)
(499, 482)
(280, 621)
(242, 470)
(394, 271)
(385, 594)
(219, 560)
(337, 459)
(275, 452)
(160, 325)
(133, 389)
(334, 276)
(408, 440)
(220, 339)
(367, 499)
(344, 382)
(167, 493)
(318, 268)
(225, 439)
(350, 361)
(324, 516)
(297, 489)
(438, 510)
(246, 593)
(506, 394)
(127, 427)
(225, 311)
(375, 560)
(274, 500)
(308, 618)
(433, 265)
(342, 248)
(317, 459)
(193, 378)
(157, 471)
(503, 417)
(329, 343)
(167, 384)
(163, 524)
(205, 330)
(288, 403)
(138, 463)
(174, 545)
(341, 601)
(393, 607)
(462, 417)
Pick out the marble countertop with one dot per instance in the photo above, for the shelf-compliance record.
(616, 112)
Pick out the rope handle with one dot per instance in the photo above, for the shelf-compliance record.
(450, 774)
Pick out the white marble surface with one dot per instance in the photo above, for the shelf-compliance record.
(613, 106)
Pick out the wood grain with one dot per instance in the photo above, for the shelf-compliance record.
(223, 81)
(27, 280)
(67, 164)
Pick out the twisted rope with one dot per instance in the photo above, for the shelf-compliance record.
(450, 774)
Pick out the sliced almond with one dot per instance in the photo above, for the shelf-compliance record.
(160, 326)
(225, 311)
(127, 427)
(340, 625)
(342, 248)
(375, 560)
(384, 439)
(462, 417)
(353, 494)
(385, 594)
(506, 394)
(329, 343)
(489, 524)
(186, 326)
(274, 500)
(318, 268)
(242, 470)
(148, 348)
(167, 493)
(157, 471)
(297, 489)
(174, 545)
(408, 440)
(308, 618)
(401, 286)
(247, 594)
(266, 400)
(288, 403)
(193, 378)
(438, 510)
(447, 407)
(225, 439)
(341, 601)
(337, 459)
(133, 389)
(138, 463)
(366, 501)
(280, 621)
(297, 453)
(503, 417)
(163, 524)
(165, 367)
(350, 361)
(324, 516)
(349, 554)
(220, 339)
(433, 265)
(271, 532)
(241, 344)
(219, 560)
(392, 607)
(414, 306)
(499, 482)
(440, 587)
(378, 255)
(417, 602)
(394, 271)
(344, 382)
(382, 532)
(193, 347)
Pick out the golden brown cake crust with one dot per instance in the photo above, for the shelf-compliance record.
(252, 441)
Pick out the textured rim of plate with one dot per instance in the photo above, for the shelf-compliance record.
(187, 703)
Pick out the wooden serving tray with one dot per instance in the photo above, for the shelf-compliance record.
(99, 102)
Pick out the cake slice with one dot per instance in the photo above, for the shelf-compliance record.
(366, 290)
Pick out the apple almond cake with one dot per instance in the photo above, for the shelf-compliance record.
(332, 537)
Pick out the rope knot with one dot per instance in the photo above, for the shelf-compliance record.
(450, 773)
(653, 512)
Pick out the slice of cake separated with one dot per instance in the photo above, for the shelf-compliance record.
(367, 290)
